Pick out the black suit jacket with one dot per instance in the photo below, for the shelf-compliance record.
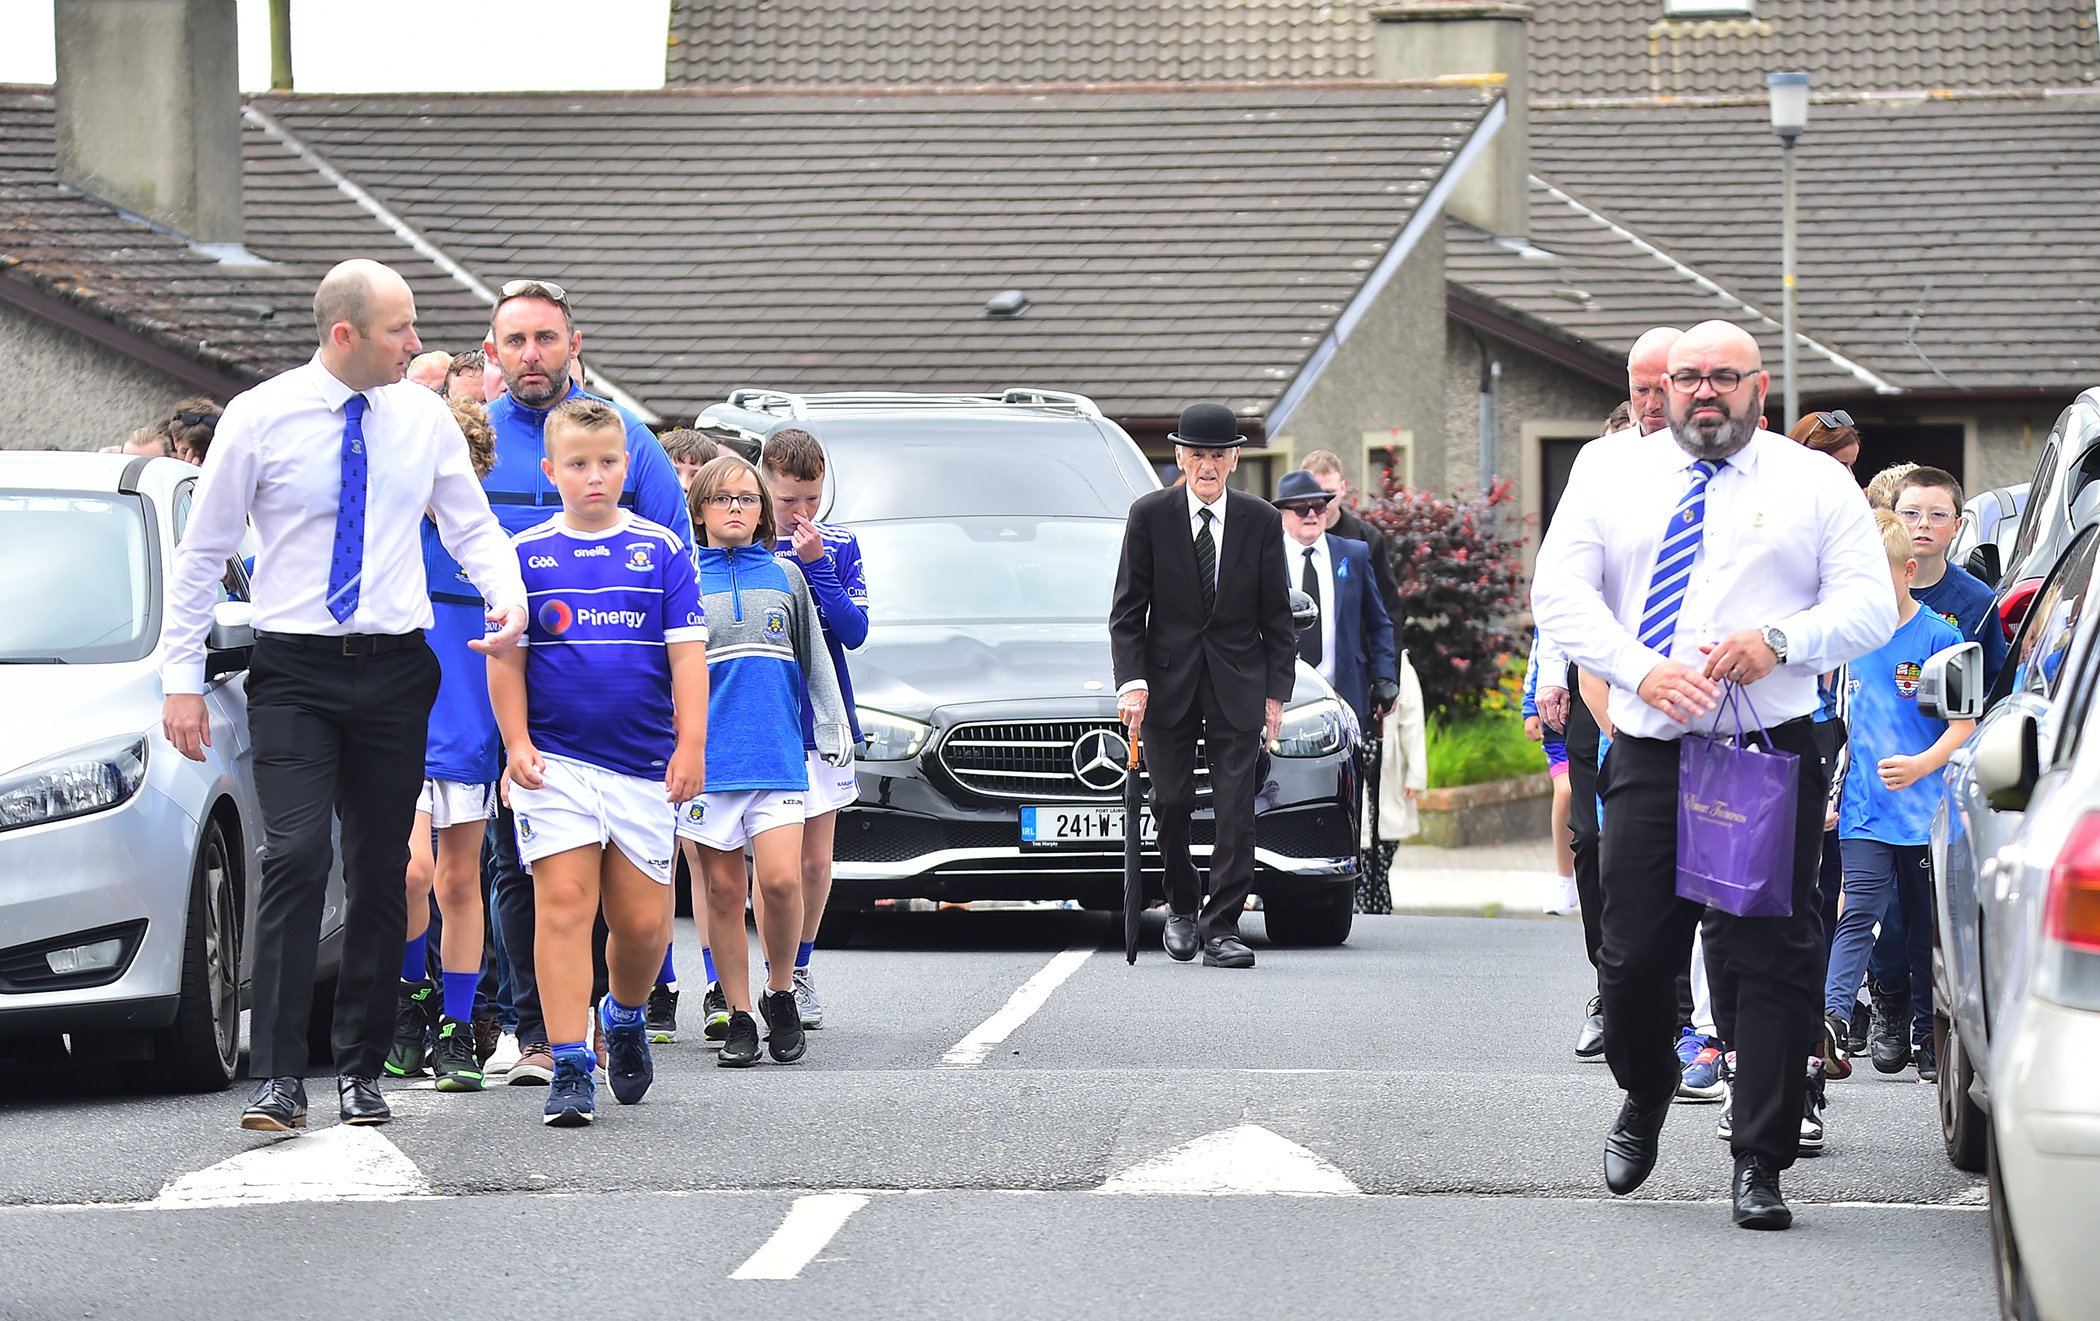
(1156, 627)
(1351, 526)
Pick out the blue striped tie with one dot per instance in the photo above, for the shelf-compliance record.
(1674, 560)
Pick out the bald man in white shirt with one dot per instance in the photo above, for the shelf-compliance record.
(1712, 550)
(336, 461)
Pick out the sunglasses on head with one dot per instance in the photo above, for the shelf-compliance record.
(546, 289)
(1835, 418)
(195, 419)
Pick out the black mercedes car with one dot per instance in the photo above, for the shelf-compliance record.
(992, 764)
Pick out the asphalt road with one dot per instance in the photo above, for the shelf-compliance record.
(1394, 1128)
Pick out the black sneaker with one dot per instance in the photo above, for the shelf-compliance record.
(413, 1013)
(1856, 1039)
(739, 1042)
(1812, 1104)
(1724, 1127)
(1832, 1047)
(453, 1059)
(784, 1039)
(1927, 1060)
(1891, 1040)
(714, 1008)
(663, 1014)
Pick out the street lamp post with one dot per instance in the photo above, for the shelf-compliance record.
(1789, 116)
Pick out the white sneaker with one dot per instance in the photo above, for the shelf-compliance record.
(806, 1001)
(1564, 897)
(507, 1054)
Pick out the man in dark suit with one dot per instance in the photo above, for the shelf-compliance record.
(1352, 645)
(1342, 521)
(1201, 633)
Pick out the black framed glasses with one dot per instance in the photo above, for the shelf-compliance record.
(1835, 418)
(1306, 511)
(1723, 380)
(546, 289)
(727, 500)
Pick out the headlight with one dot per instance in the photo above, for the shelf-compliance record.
(885, 737)
(1312, 730)
(74, 783)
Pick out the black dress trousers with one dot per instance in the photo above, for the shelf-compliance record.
(335, 737)
(1774, 964)
(1582, 737)
(1233, 755)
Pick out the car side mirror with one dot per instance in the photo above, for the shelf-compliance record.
(2008, 762)
(1305, 612)
(1983, 564)
(231, 640)
(1951, 687)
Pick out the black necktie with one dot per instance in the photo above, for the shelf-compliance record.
(1206, 563)
(1309, 641)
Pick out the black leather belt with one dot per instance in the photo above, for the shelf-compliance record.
(346, 644)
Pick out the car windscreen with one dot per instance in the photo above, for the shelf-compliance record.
(76, 578)
(990, 569)
(955, 469)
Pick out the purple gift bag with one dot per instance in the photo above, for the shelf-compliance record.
(1735, 818)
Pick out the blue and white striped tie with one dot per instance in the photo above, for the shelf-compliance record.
(1674, 560)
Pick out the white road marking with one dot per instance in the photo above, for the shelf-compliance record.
(341, 1163)
(810, 1225)
(1238, 1161)
(972, 1049)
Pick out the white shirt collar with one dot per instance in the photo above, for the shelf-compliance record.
(1216, 507)
(333, 391)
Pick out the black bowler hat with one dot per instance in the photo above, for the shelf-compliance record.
(1300, 487)
(1208, 427)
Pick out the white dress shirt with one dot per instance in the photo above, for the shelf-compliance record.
(1217, 526)
(1788, 541)
(1323, 568)
(277, 458)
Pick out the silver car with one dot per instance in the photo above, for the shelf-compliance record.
(127, 872)
(1990, 524)
(2016, 966)
(2066, 481)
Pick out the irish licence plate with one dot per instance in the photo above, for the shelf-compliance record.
(1078, 825)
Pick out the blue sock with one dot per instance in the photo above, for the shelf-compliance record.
(619, 1015)
(803, 951)
(707, 964)
(459, 994)
(669, 975)
(415, 959)
(576, 1053)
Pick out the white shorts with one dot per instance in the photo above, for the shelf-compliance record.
(450, 803)
(830, 787)
(581, 805)
(732, 819)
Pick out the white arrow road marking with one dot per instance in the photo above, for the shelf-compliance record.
(343, 1163)
(1248, 1159)
(811, 1223)
(972, 1049)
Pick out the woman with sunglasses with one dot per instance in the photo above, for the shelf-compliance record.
(1831, 433)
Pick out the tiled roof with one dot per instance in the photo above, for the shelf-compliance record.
(243, 321)
(729, 42)
(1944, 244)
(1579, 48)
(1175, 245)
(1624, 48)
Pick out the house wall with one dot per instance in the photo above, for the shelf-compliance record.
(1386, 380)
(2002, 449)
(60, 390)
(1539, 400)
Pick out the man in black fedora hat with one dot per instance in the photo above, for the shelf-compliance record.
(1204, 648)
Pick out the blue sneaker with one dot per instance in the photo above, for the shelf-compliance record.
(628, 1065)
(1688, 1043)
(1702, 1077)
(572, 1098)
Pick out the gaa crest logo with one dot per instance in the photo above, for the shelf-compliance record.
(776, 624)
(638, 558)
(1907, 673)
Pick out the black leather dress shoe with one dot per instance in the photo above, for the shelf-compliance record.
(1227, 952)
(1758, 1204)
(1631, 1146)
(362, 1103)
(1181, 937)
(279, 1104)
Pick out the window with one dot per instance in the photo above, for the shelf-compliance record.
(1391, 451)
(2038, 498)
(2036, 662)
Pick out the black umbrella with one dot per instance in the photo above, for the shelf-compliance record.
(1133, 853)
(1374, 772)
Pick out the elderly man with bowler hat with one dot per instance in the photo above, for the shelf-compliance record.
(1204, 647)
(1352, 644)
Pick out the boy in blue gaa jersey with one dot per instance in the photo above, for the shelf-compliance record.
(462, 760)
(1891, 787)
(604, 718)
(764, 646)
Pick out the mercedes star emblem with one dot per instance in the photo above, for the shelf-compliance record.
(1100, 759)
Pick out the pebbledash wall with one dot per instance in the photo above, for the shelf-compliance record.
(1539, 401)
(63, 391)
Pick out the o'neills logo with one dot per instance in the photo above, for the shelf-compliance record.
(1717, 810)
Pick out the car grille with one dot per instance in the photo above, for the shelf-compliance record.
(1030, 760)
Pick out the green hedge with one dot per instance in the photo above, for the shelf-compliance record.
(1474, 746)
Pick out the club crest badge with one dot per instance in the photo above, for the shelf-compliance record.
(1907, 673)
(638, 557)
(776, 624)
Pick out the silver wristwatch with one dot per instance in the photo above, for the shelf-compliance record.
(1776, 640)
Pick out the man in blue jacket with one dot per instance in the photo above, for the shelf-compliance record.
(1352, 646)
(533, 340)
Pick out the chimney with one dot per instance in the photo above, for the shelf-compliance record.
(1436, 39)
(149, 110)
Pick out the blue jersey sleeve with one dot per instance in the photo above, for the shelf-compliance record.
(1991, 633)
(841, 592)
(684, 617)
(1531, 680)
(657, 495)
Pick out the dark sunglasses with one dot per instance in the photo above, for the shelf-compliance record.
(1835, 418)
(546, 289)
(196, 419)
